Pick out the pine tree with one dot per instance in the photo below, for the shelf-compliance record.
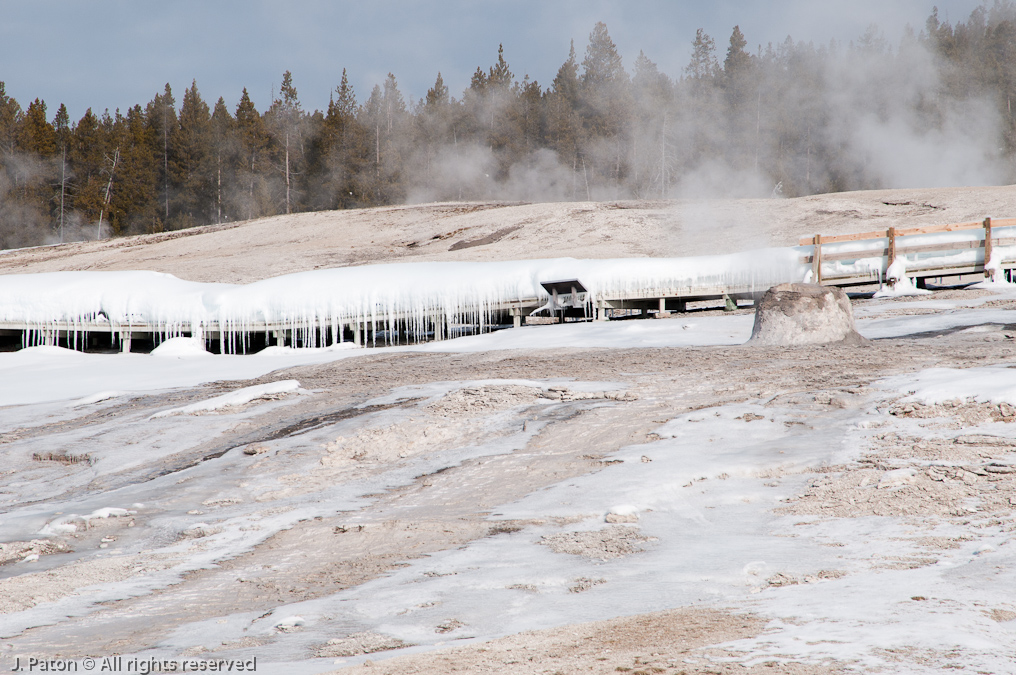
(37, 136)
(340, 150)
(87, 151)
(605, 103)
(13, 227)
(134, 201)
(738, 61)
(10, 122)
(602, 64)
(191, 163)
(285, 119)
(224, 150)
(436, 118)
(35, 171)
(497, 115)
(437, 96)
(652, 162)
(61, 124)
(563, 124)
(528, 115)
(742, 95)
(252, 198)
(703, 68)
(160, 116)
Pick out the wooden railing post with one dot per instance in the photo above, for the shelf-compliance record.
(987, 245)
(891, 248)
(816, 260)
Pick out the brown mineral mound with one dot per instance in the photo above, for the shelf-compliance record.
(481, 231)
(790, 315)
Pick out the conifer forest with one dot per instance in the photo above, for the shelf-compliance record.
(741, 120)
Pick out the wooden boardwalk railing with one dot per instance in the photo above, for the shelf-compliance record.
(886, 244)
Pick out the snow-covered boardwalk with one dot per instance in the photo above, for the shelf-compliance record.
(416, 302)
(369, 304)
(924, 252)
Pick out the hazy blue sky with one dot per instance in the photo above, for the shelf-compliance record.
(108, 53)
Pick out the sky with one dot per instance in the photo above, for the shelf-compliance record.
(117, 53)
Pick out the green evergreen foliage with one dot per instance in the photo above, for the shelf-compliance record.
(250, 196)
(285, 120)
(134, 197)
(790, 118)
(652, 157)
(562, 120)
(10, 121)
(224, 150)
(342, 149)
(604, 103)
(37, 136)
(191, 163)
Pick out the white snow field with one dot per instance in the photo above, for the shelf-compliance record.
(476, 503)
(706, 507)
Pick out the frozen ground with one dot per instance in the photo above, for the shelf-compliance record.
(631, 496)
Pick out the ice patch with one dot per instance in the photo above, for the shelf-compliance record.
(289, 622)
(937, 385)
(108, 512)
(233, 398)
(277, 350)
(96, 398)
(72, 522)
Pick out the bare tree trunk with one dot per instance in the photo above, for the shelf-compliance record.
(617, 169)
(165, 157)
(807, 172)
(287, 171)
(758, 124)
(63, 184)
(109, 188)
(635, 167)
(574, 175)
(250, 194)
(218, 196)
(663, 158)
(586, 179)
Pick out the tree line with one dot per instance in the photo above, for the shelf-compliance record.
(787, 119)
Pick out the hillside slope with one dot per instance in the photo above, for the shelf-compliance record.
(252, 250)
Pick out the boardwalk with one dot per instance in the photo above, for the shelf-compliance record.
(932, 251)
(936, 251)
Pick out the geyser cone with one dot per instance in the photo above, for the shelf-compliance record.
(804, 314)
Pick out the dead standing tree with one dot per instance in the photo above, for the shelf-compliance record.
(109, 189)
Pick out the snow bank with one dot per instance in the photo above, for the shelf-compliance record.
(97, 398)
(392, 297)
(904, 286)
(72, 522)
(937, 385)
(238, 397)
(181, 347)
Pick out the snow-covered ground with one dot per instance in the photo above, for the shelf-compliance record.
(53, 373)
(858, 500)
